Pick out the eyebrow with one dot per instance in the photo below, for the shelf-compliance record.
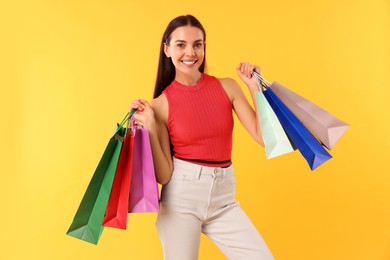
(200, 40)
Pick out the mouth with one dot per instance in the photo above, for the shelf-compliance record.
(186, 62)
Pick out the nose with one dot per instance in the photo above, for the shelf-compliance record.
(190, 50)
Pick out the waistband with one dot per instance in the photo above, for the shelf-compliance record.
(224, 164)
(201, 169)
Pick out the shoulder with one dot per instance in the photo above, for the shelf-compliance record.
(230, 86)
(160, 107)
(228, 82)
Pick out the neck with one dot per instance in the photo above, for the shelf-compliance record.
(188, 79)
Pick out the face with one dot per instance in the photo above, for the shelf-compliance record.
(186, 49)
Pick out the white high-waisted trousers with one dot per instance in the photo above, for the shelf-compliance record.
(200, 199)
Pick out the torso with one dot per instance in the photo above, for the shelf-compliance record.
(200, 121)
(160, 104)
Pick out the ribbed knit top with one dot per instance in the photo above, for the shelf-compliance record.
(200, 121)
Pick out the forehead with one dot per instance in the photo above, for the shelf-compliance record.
(187, 33)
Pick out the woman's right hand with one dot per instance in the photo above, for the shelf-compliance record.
(152, 117)
(144, 114)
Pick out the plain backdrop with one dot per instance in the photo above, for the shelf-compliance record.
(70, 69)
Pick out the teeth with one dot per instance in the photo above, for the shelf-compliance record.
(188, 62)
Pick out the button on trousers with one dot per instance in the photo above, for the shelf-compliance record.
(200, 199)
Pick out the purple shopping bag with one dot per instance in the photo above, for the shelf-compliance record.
(144, 196)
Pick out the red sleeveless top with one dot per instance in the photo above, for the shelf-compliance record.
(200, 122)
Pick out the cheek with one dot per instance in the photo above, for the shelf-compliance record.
(200, 55)
(177, 54)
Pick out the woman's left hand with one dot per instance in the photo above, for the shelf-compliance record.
(245, 72)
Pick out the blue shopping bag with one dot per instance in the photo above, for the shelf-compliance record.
(310, 148)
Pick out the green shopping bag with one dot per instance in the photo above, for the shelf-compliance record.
(87, 223)
(275, 138)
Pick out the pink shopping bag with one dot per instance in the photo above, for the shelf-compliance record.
(144, 196)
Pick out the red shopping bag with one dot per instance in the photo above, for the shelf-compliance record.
(118, 204)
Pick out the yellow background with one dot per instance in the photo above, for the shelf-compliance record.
(69, 70)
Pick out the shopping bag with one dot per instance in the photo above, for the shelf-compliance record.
(87, 223)
(275, 139)
(144, 195)
(314, 153)
(323, 125)
(117, 207)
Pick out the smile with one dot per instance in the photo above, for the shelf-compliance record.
(189, 62)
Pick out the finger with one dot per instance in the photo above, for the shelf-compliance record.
(248, 69)
(136, 105)
(239, 68)
(242, 69)
(252, 69)
(136, 102)
(245, 68)
(258, 69)
(145, 103)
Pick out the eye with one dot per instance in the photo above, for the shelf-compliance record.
(181, 45)
(199, 45)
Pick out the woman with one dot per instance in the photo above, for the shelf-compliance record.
(190, 124)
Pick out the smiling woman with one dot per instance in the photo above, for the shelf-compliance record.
(192, 159)
(186, 50)
(166, 70)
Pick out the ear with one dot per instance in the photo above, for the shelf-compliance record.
(166, 50)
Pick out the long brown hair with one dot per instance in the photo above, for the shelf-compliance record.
(166, 69)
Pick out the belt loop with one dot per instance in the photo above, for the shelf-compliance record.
(199, 173)
(213, 173)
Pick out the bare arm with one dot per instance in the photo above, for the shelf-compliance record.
(244, 111)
